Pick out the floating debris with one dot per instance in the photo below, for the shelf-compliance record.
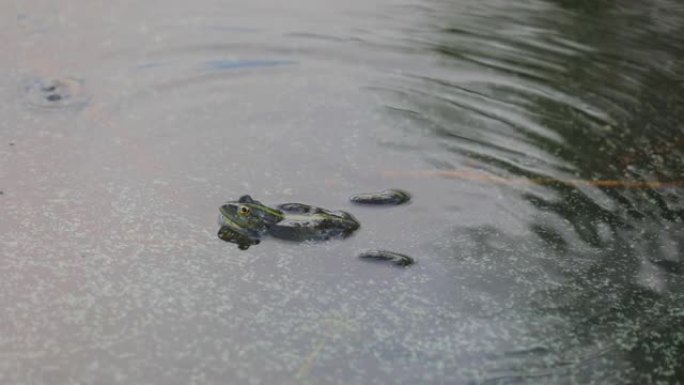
(387, 256)
(476, 175)
(386, 197)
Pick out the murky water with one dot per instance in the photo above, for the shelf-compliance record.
(542, 141)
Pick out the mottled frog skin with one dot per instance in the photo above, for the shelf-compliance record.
(245, 221)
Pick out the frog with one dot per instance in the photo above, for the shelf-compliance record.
(245, 221)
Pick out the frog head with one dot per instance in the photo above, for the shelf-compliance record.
(248, 216)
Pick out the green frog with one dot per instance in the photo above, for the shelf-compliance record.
(245, 221)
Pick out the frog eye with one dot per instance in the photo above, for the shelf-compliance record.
(243, 210)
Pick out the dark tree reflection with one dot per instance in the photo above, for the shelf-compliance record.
(576, 90)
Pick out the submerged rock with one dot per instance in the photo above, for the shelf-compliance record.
(385, 197)
(387, 256)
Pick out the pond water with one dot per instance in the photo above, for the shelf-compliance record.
(542, 142)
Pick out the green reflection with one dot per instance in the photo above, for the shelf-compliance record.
(572, 90)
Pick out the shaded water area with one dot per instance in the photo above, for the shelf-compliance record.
(542, 142)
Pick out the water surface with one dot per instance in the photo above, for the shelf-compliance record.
(542, 142)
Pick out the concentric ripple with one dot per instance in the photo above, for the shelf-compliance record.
(57, 93)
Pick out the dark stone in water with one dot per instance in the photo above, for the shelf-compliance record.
(55, 93)
(387, 256)
(386, 197)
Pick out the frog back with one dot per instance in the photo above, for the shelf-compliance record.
(304, 222)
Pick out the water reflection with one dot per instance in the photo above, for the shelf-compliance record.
(588, 95)
(541, 142)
